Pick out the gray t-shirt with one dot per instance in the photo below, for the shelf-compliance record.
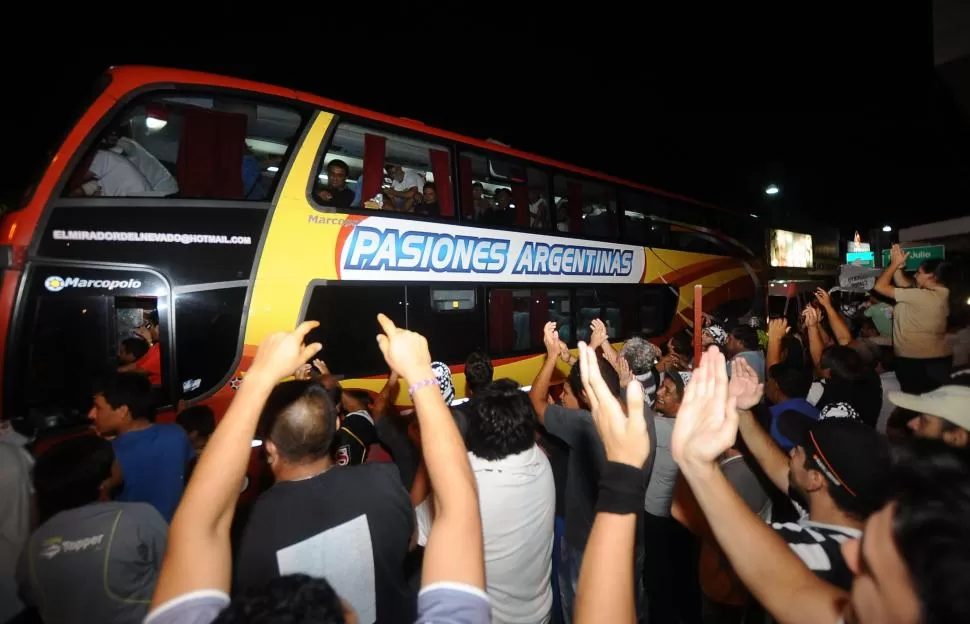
(586, 460)
(96, 563)
(660, 489)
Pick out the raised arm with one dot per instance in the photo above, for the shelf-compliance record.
(777, 330)
(747, 391)
(605, 592)
(454, 552)
(705, 427)
(555, 350)
(893, 274)
(843, 335)
(199, 555)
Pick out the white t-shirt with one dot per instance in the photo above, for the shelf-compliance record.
(518, 504)
(158, 176)
(411, 180)
(889, 384)
(117, 176)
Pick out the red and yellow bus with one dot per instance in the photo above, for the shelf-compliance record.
(200, 197)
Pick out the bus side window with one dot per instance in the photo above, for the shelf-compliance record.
(516, 317)
(69, 344)
(189, 146)
(497, 192)
(347, 312)
(584, 207)
(451, 317)
(361, 164)
(614, 305)
(72, 342)
(643, 219)
(694, 237)
(656, 306)
(208, 325)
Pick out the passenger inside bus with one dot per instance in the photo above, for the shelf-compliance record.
(150, 364)
(335, 192)
(404, 190)
(199, 147)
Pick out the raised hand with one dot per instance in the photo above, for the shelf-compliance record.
(777, 329)
(704, 428)
(811, 316)
(302, 373)
(823, 297)
(744, 386)
(624, 372)
(624, 436)
(599, 334)
(406, 352)
(898, 256)
(283, 352)
(550, 337)
(321, 366)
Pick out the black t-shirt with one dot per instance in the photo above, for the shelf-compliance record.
(340, 198)
(353, 439)
(586, 460)
(351, 525)
(392, 434)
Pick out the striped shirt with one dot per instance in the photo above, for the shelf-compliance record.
(819, 546)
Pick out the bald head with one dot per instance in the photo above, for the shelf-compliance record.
(300, 420)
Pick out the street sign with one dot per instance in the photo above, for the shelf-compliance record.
(917, 255)
(860, 258)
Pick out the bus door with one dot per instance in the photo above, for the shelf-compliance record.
(74, 319)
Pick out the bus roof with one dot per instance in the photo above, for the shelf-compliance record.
(129, 77)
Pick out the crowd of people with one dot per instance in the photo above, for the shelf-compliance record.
(810, 471)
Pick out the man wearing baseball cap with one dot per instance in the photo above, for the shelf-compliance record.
(944, 414)
(838, 467)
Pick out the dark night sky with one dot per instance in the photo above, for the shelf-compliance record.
(844, 112)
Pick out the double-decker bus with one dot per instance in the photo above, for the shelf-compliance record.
(233, 209)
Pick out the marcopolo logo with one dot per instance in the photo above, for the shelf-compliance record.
(56, 283)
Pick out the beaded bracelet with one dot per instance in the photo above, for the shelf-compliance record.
(420, 384)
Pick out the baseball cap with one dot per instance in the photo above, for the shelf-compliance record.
(852, 455)
(951, 403)
(445, 384)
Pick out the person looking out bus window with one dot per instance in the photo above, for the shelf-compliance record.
(406, 188)
(150, 364)
(160, 180)
(111, 175)
(131, 350)
(482, 204)
(502, 212)
(336, 193)
(430, 206)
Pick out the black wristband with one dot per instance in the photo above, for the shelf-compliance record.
(622, 489)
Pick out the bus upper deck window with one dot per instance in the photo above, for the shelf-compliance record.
(188, 146)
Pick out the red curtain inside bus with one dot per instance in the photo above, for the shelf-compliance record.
(210, 156)
(374, 148)
(442, 181)
(575, 193)
(465, 184)
(520, 196)
(538, 314)
(501, 330)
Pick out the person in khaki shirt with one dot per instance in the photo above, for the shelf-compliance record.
(923, 357)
